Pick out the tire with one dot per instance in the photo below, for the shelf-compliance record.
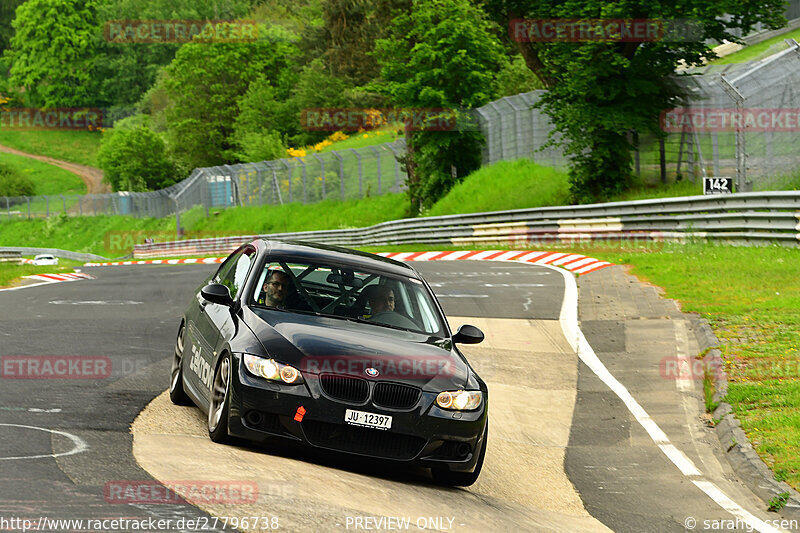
(219, 402)
(444, 476)
(176, 391)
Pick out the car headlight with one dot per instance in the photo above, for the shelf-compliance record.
(460, 400)
(272, 370)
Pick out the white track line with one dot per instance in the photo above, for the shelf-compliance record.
(78, 444)
(569, 324)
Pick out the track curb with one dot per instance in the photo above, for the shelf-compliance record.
(575, 263)
(739, 451)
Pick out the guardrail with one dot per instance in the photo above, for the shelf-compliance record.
(17, 251)
(743, 218)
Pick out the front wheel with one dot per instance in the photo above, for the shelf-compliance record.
(176, 391)
(444, 476)
(219, 402)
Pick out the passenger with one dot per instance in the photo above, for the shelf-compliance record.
(276, 287)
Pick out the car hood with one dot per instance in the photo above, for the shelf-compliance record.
(324, 345)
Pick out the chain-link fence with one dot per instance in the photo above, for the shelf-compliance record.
(741, 121)
(337, 175)
(515, 128)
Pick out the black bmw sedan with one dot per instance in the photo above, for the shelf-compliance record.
(333, 348)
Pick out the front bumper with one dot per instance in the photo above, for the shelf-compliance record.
(424, 435)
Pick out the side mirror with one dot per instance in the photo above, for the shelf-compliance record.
(468, 334)
(217, 293)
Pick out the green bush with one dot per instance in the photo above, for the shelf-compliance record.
(12, 183)
(135, 160)
(260, 146)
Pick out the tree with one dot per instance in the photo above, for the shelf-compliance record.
(515, 77)
(204, 84)
(261, 116)
(316, 87)
(351, 28)
(135, 160)
(52, 52)
(440, 54)
(599, 92)
(128, 69)
(8, 10)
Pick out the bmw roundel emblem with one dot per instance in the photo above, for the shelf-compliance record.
(371, 372)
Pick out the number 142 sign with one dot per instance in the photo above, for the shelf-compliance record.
(717, 185)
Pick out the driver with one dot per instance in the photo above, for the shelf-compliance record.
(276, 287)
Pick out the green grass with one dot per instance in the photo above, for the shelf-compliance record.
(533, 186)
(11, 273)
(505, 185)
(108, 236)
(750, 53)
(758, 324)
(328, 214)
(523, 184)
(75, 146)
(47, 179)
(114, 236)
(367, 138)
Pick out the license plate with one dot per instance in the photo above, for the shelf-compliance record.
(370, 420)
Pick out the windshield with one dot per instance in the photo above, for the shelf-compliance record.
(352, 294)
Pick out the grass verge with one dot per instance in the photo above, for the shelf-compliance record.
(755, 51)
(751, 298)
(12, 273)
(75, 146)
(48, 179)
(367, 138)
(532, 185)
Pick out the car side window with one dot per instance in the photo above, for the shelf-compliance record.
(225, 267)
(234, 276)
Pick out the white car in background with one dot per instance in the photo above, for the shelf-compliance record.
(45, 260)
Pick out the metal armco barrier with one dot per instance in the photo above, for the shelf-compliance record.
(9, 251)
(743, 218)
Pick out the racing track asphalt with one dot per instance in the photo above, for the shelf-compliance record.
(125, 317)
(622, 478)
